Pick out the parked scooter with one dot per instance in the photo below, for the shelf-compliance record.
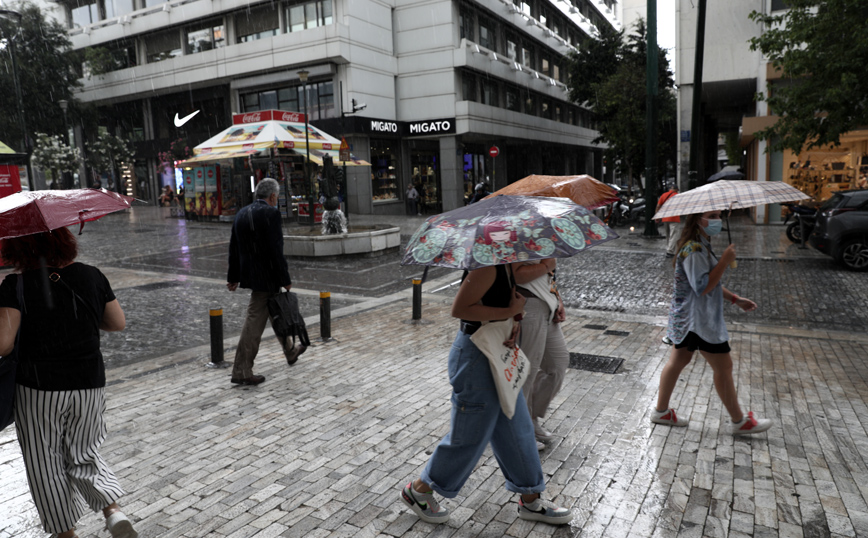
(804, 219)
(627, 209)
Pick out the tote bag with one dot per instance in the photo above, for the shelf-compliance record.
(509, 365)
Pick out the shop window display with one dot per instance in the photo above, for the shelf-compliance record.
(384, 170)
(426, 177)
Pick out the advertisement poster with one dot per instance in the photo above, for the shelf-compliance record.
(199, 188)
(10, 183)
(228, 196)
(212, 200)
(304, 214)
(189, 191)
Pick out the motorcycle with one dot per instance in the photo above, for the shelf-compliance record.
(803, 217)
(626, 210)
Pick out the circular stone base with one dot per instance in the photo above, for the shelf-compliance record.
(358, 241)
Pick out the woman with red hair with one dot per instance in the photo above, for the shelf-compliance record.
(60, 381)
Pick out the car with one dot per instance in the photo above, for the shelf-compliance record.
(841, 230)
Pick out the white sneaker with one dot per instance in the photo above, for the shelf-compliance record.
(544, 511)
(541, 433)
(120, 526)
(750, 425)
(424, 504)
(668, 418)
(540, 446)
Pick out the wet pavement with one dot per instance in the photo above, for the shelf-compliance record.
(322, 448)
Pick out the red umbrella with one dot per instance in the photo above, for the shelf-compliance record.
(32, 212)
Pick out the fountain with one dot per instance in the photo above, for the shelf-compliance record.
(335, 238)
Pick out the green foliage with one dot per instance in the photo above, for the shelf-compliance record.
(47, 69)
(822, 48)
(608, 75)
(99, 61)
(108, 152)
(733, 149)
(52, 154)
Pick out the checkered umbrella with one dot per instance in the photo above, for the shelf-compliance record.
(724, 195)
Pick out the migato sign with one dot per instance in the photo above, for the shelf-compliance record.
(378, 126)
(430, 127)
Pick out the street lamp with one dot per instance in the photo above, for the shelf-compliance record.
(16, 17)
(64, 104)
(302, 75)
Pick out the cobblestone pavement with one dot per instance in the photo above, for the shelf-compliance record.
(322, 448)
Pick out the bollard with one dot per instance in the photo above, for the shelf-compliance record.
(217, 339)
(325, 316)
(417, 299)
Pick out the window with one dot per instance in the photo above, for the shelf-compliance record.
(469, 87)
(571, 116)
(384, 169)
(543, 16)
(205, 36)
(779, 5)
(489, 93)
(546, 66)
(257, 24)
(119, 55)
(116, 8)
(530, 102)
(83, 13)
(527, 56)
(546, 109)
(308, 15)
(556, 72)
(559, 113)
(320, 104)
(487, 36)
(163, 46)
(465, 21)
(512, 100)
(512, 47)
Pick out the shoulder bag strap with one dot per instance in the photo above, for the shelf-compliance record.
(55, 277)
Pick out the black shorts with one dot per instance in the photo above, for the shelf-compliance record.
(693, 342)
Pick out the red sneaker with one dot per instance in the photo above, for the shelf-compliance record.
(750, 425)
(668, 418)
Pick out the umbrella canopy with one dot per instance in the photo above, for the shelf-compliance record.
(255, 131)
(724, 195)
(32, 212)
(727, 172)
(583, 190)
(506, 229)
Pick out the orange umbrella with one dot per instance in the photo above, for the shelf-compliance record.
(583, 190)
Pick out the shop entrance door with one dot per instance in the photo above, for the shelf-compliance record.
(426, 176)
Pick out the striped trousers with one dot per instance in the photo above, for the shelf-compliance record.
(60, 433)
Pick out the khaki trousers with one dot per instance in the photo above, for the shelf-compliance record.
(251, 334)
(673, 233)
(543, 344)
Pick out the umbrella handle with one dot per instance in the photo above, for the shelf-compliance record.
(734, 263)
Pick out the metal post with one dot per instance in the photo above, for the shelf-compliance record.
(651, 91)
(417, 299)
(325, 316)
(302, 75)
(6, 13)
(216, 315)
(693, 172)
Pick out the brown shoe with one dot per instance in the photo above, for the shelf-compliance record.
(294, 353)
(252, 380)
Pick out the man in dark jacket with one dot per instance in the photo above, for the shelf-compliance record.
(256, 262)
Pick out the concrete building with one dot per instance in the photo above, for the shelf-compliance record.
(732, 76)
(422, 89)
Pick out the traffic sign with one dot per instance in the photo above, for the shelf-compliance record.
(493, 151)
(344, 153)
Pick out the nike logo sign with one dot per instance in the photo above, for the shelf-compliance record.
(181, 121)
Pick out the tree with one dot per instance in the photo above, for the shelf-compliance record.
(108, 152)
(53, 155)
(821, 46)
(47, 70)
(608, 76)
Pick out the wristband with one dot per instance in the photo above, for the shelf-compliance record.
(735, 298)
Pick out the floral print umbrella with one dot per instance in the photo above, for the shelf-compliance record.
(506, 229)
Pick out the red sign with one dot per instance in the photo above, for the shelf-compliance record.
(10, 182)
(304, 212)
(326, 145)
(267, 115)
(493, 152)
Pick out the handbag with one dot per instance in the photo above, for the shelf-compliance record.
(509, 366)
(8, 369)
(286, 319)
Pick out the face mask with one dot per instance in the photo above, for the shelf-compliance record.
(714, 227)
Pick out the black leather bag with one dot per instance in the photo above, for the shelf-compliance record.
(8, 368)
(286, 318)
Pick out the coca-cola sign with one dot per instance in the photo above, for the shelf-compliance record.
(292, 117)
(326, 145)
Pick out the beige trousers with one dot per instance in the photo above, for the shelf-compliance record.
(673, 233)
(543, 344)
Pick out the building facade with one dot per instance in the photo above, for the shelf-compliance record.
(425, 90)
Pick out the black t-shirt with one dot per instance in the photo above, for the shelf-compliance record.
(499, 294)
(58, 347)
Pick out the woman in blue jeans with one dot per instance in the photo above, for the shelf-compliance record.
(486, 294)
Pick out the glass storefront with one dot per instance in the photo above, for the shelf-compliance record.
(385, 180)
(425, 167)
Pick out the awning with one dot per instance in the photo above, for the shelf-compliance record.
(217, 156)
(317, 157)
